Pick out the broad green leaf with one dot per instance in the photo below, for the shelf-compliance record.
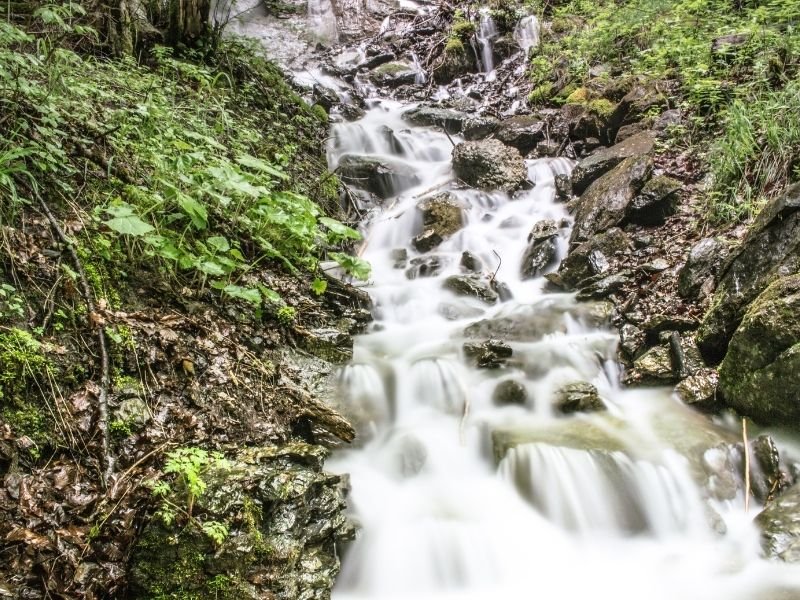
(210, 267)
(129, 225)
(256, 163)
(318, 286)
(196, 211)
(357, 267)
(270, 295)
(219, 243)
(339, 229)
(249, 294)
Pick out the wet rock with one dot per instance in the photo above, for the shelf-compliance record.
(567, 433)
(654, 367)
(409, 455)
(470, 262)
(699, 273)
(770, 250)
(382, 176)
(393, 74)
(523, 132)
(780, 527)
(657, 201)
(657, 324)
(605, 204)
(278, 504)
(592, 257)
(471, 285)
(491, 354)
(631, 340)
(700, 391)
(489, 164)
(479, 127)
(563, 184)
(604, 287)
(426, 266)
(430, 115)
(400, 258)
(533, 322)
(548, 148)
(456, 312)
(503, 290)
(442, 214)
(578, 397)
(760, 376)
(509, 392)
(597, 164)
(454, 62)
(426, 241)
(635, 105)
(542, 250)
(325, 97)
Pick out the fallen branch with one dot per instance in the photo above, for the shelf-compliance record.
(106, 460)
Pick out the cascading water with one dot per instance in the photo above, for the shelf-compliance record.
(527, 33)
(460, 498)
(487, 33)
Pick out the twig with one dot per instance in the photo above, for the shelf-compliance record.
(746, 466)
(499, 264)
(106, 460)
(447, 133)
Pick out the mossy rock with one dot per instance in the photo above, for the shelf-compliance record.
(760, 376)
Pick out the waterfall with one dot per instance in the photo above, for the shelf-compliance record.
(527, 33)
(487, 33)
(323, 21)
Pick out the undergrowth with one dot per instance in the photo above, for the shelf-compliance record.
(743, 84)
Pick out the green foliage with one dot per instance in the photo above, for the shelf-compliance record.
(196, 187)
(462, 28)
(286, 315)
(757, 155)
(12, 304)
(217, 532)
(354, 266)
(22, 361)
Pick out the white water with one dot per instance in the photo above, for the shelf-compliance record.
(527, 33)
(605, 505)
(487, 33)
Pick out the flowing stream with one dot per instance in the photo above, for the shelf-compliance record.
(457, 497)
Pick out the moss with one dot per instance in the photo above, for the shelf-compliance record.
(579, 96)
(462, 29)
(392, 68)
(602, 107)
(454, 46)
(22, 361)
(541, 93)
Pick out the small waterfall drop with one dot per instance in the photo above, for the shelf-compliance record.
(527, 33)
(323, 21)
(487, 33)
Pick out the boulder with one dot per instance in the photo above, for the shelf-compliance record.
(509, 392)
(760, 376)
(578, 397)
(563, 185)
(542, 250)
(592, 257)
(479, 127)
(780, 526)
(431, 115)
(698, 275)
(454, 62)
(770, 249)
(602, 161)
(529, 323)
(522, 132)
(700, 391)
(470, 262)
(577, 434)
(605, 204)
(631, 340)
(442, 213)
(604, 287)
(471, 285)
(657, 201)
(382, 176)
(489, 165)
(393, 74)
(654, 367)
(426, 266)
(635, 105)
(490, 354)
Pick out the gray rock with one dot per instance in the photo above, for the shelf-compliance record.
(400, 258)
(509, 392)
(563, 185)
(605, 204)
(426, 266)
(470, 262)
(382, 176)
(522, 132)
(604, 287)
(702, 267)
(760, 376)
(770, 249)
(489, 164)
(533, 322)
(442, 214)
(133, 411)
(479, 127)
(654, 367)
(657, 201)
(393, 74)
(631, 340)
(431, 115)
(635, 105)
(426, 241)
(578, 397)
(780, 526)
(700, 391)
(592, 167)
(471, 285)
(490, 354)
(542, 250)
(592, 257)
(669, 118)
